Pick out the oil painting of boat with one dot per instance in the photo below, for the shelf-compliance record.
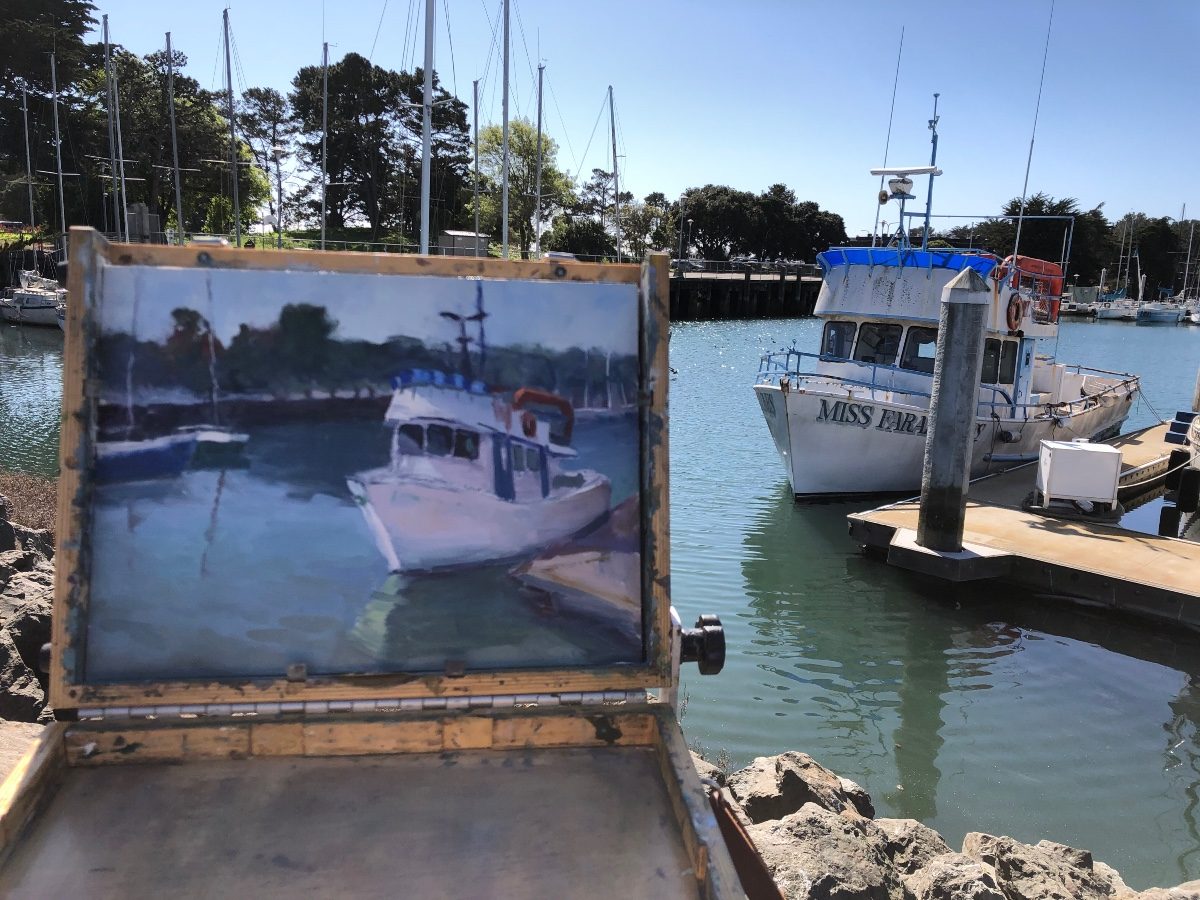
(344, 452)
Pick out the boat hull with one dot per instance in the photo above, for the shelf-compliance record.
(29, 315)
(424, 526)
(1159, 316)
(836, 445)
(163, 457)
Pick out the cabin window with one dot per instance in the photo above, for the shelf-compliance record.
(838, 340)
(991, 361)
(878, 343)
(439, 440)
(1008, 363)
(534, 458)
(920, 348)
(411, 439)
(466, 444)
(518, 458)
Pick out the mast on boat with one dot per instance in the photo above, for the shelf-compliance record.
(174, 143)
(120, 173)
(112, 137)
(426, 122)
(475, 141)
(537, 196)
(612, 118)
(28, 159)
(504, 146)
(933, 165)
(62, 206)
(324, 132)
(233, 154)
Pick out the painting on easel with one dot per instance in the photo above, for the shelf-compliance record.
(362, 473)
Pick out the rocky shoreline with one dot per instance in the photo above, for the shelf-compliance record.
(818, 835)
(816, 831)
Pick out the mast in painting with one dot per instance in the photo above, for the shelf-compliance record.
(504, 147)
(324, 133)
(174, 143)
(612, 117)
(233, 154)
(426, 122)
(537, 195)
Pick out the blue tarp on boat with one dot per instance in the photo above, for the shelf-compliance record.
(954, 260)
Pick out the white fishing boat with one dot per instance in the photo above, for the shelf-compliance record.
(34, 302)
(475, 476)
(852, 417)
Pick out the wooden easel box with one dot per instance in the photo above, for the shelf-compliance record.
(508, 783)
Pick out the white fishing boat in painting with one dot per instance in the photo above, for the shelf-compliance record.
(34, 302)
(475, 476)
(852, 417)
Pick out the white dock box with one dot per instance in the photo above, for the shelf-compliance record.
(1078, 470)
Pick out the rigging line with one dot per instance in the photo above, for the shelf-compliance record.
(407, 26)
(487, 66)
(450, 38)
(595, 125)
(1033, 135)
(382, 13)
(887, 144)
(565, 132)
(407, 55)
(521, 28)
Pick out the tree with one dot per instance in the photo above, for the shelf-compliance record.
(581, 235)
(265, 117)
(522, 181)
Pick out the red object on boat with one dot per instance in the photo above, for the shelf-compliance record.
(524, 397)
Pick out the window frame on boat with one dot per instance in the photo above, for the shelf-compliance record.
(1002, 363)
(838, 325)
(464, 443)
(911, 353)
(880, 326)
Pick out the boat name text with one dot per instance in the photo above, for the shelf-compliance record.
(862, 415)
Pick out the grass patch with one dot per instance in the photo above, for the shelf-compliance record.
(32, 499)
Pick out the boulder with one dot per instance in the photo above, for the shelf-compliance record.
(911, 845)
(21, 696)
(705, 769)
(1188, 891)
(772, 787)
(1050, 872)
(815, 853)
(952, 876)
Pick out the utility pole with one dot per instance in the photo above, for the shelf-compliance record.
(932, 162)
(504, 148)
(29, 165)
(62, 206)
(427, 122)
(233, 154)
(612, 118)
(174, 143)
(475, 128)
(537, 199)
(112, 137)
(324, 133)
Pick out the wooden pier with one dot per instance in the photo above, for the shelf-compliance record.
(742, 295)
(1081, 561)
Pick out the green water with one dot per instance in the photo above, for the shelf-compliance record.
(969, 708)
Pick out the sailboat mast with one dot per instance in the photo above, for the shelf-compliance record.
(612, 119)
(233, 154)
(62, 206)
(120, 173)
(426, 122)
(504, 147)
(1187, 265)
(932, 161)
(324, 133)
(475, 141)
(537, 195)
(174, 143)
(112, 137)
(29, 163)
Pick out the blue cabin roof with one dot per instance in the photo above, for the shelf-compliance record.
(410, 377)
(954, 260)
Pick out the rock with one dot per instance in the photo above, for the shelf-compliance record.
(1055, 872)
(952, 876)
(21, 696)
(815, 853)
(772, 787)
(705, 769)
(911, 845)
(1188, 891)
(15, 739)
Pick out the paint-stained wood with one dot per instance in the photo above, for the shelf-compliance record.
(360, 738)
(30, 784)
(595, 729)
(157, 744)
(656, 511)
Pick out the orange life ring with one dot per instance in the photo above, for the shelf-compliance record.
(1014, 312)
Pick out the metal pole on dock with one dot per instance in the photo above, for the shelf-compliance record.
(537, 197)
(233, 154)
(62, 206)
(427, 122)
(112, 137)
(504, 148)
(120, 173)
(28, 159)
(612, 118)
(475, 141)
(174, 143)
(952, 409)
(324, 133)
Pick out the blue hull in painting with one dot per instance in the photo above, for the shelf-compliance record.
(163, 457)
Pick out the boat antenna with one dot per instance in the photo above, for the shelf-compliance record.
(887, 143)
(933, 163)
(462, 340)
(1036, 111)
(479, 316)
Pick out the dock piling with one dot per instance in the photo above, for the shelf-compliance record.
(952, 406)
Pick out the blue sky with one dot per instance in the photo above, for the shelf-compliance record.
(753, 93)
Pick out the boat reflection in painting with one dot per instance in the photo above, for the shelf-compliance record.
(362, 473)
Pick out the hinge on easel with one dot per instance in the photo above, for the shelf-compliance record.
(324, 707)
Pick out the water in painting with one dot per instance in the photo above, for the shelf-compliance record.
(362, 473)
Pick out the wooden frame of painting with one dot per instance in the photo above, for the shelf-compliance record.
(100, 271)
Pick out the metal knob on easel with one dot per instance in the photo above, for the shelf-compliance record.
(704, 645)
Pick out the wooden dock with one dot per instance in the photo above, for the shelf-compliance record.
(742, 295)
(1085, 562)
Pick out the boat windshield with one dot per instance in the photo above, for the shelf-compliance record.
(878, 343)
(412, 439)
(838, 339)
(920, 349)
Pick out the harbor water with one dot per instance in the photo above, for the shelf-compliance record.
(969, 708)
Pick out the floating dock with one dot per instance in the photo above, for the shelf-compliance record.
(1083, 561)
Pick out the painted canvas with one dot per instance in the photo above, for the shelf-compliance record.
(362, 473)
